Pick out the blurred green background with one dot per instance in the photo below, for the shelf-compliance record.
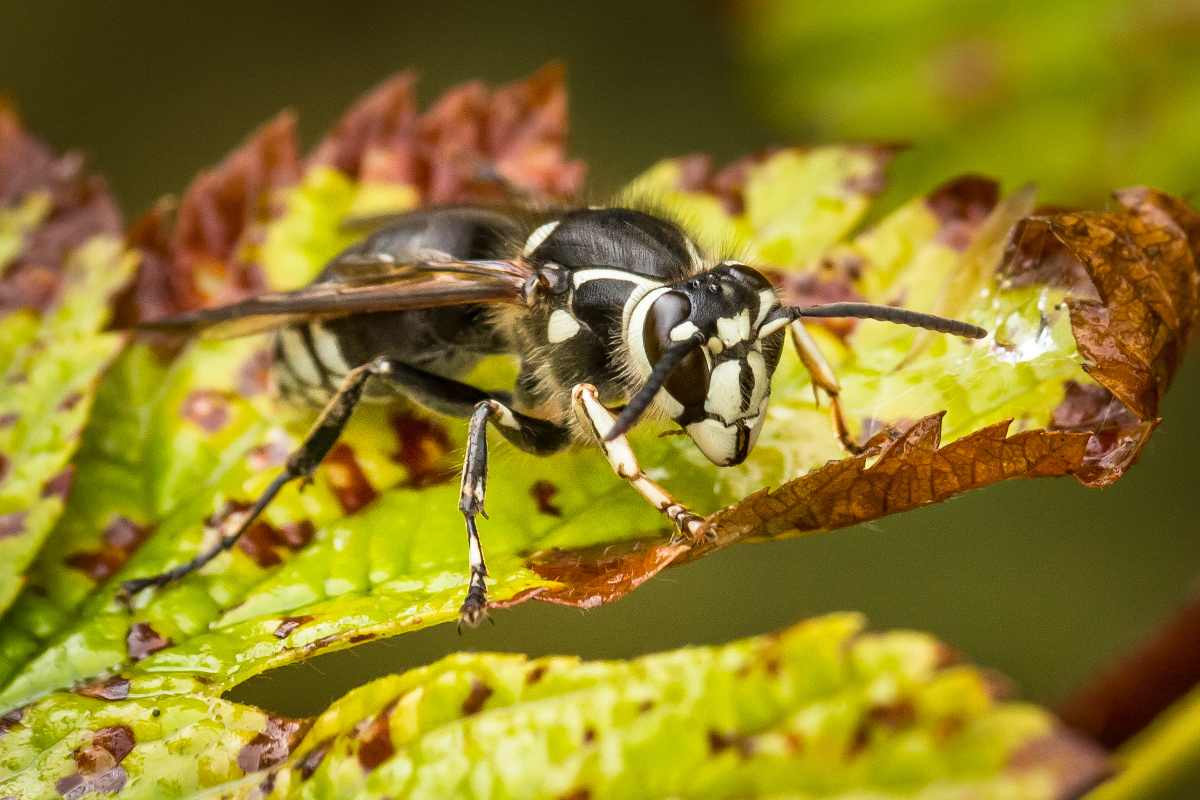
(1043, 580)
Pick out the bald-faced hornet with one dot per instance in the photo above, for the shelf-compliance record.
(601, 306)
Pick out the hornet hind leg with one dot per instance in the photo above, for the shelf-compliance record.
(300, 464)
(432, 391)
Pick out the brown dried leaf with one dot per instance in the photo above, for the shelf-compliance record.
(1133, 276)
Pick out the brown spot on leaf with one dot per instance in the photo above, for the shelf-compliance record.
(272, 745)
(312, 759)
(57, 485)
(98, 764)
(535, 674)
(12, 524)
(115, 687)
(543, 493)
(121, 538)
(961, 205)
(696, 174)
(3, 467)
(263, 541)
(8, 420)
(900, 714)
(589, 735)
(346, 478)
(254, 376)
(358, 638)
(424, 446)
(70, 401)
(479, 694)
(578, 794)
(874, 181)
(289, 624)
(143, 640)
(323, 642)
(11, 719)
(206, 408)
(375, 741)
(719, 742)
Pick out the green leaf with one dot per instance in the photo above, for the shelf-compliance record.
(176, 444)
(51, 363)
(822, 709)
(1081, 351)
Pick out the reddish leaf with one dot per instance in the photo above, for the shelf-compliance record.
(80, 207)
(455, 151)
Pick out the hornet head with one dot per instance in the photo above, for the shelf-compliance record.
(707, 347)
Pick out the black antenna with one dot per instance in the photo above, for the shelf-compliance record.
(901, 316)
(658, 376)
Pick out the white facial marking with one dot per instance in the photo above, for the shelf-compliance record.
(716, 346)
(758, 367)
(766, 303)
(756, 424)
(538, 236)
(724, 398)
(732, 330)
(717, 442)
(562, 326)
(683, 330)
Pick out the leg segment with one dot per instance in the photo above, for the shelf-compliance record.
(300, 464)
(532, 435)
(823, 377)
(599, 420)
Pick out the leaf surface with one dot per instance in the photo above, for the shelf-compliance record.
(60, 266)
(374, 547)
(822, 709)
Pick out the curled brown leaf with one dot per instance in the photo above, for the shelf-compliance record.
(1132, 276)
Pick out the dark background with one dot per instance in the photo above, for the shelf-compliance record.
(1044, 580)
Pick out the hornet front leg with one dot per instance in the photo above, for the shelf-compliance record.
(599, 420)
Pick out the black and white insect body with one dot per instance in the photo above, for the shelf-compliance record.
(601, 307)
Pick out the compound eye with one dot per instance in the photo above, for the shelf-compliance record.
(688, 383)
